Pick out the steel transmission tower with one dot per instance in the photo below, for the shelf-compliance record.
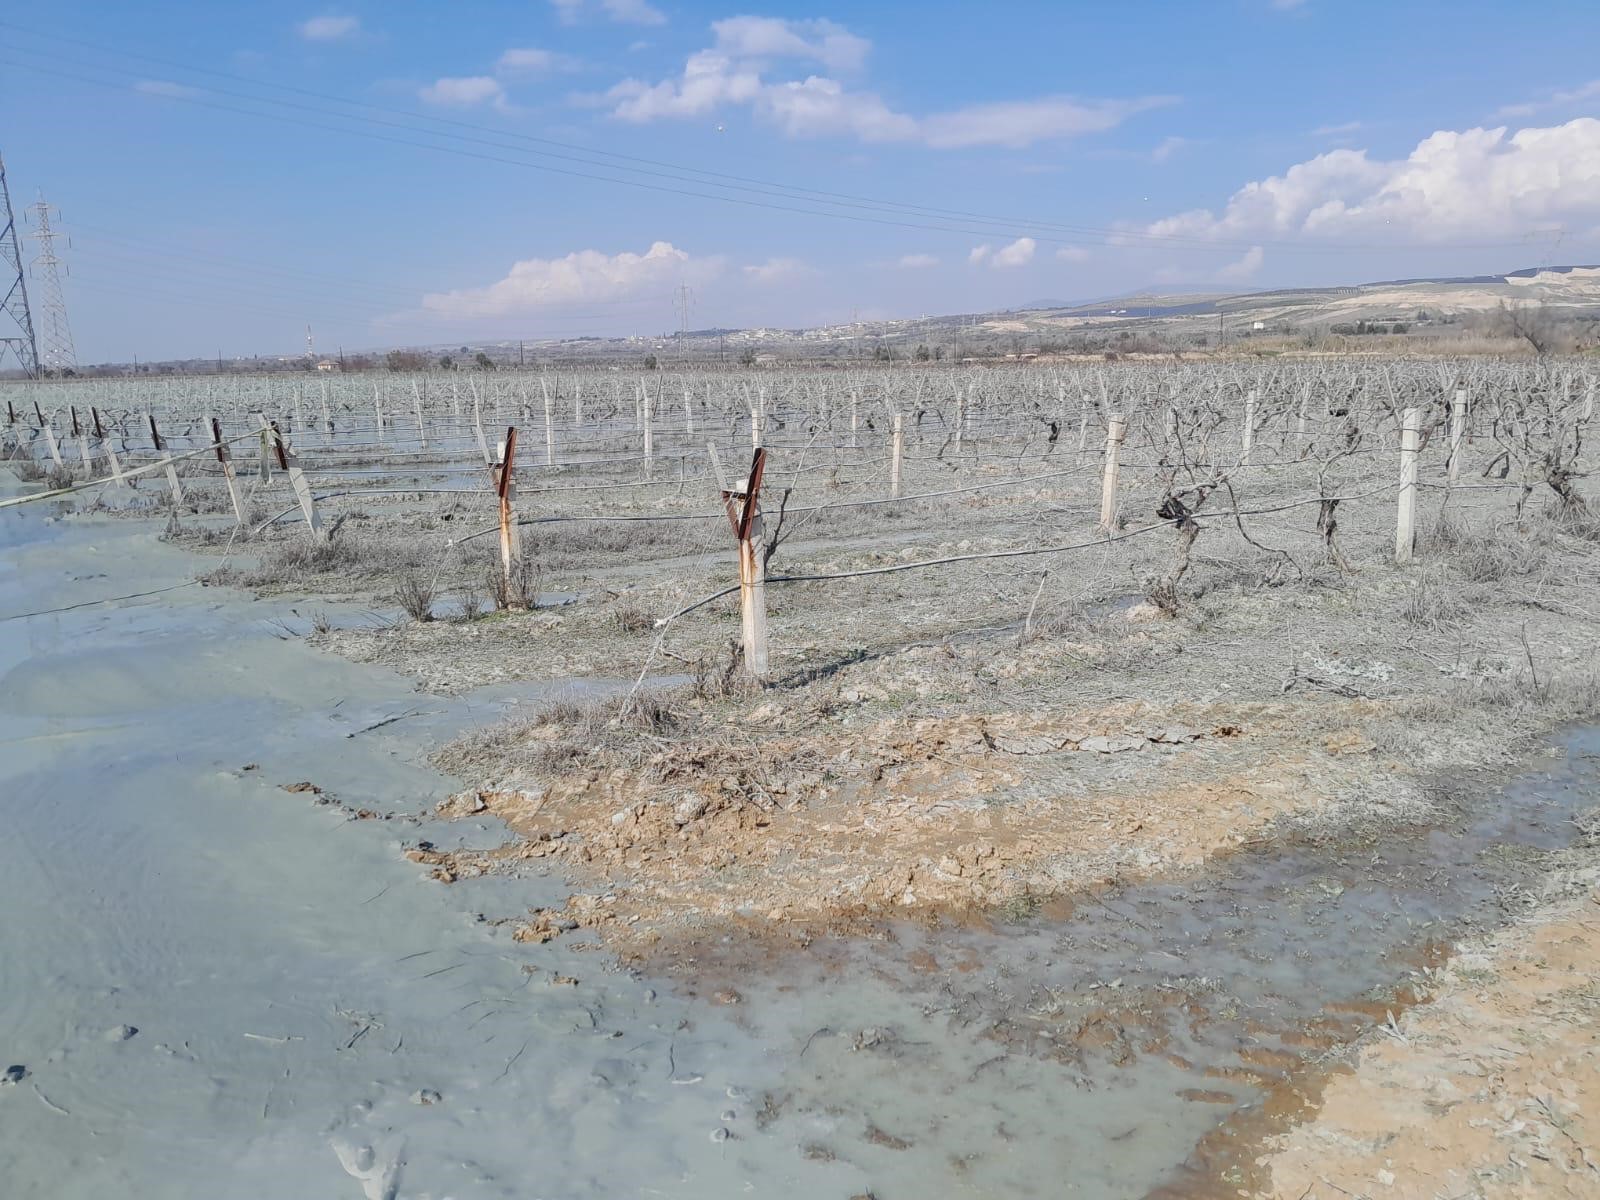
(54, 332)
(20, 340)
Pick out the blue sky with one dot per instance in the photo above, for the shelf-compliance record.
(991, 156)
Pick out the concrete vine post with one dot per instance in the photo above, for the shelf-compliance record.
(896, 453)
(297, 481)
(510, 538)
(1248, 437)
(226, 459)
(1458, 422)
(1116, 429)
(172, 472)
(1405, 529)
(549, 424)
(743, 505)
(50, 442)
(416, 404)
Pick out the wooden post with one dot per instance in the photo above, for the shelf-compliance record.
(416, 403)
(897, 449)
(116, 466)
(1115, 431)
(1083, 426)
(1458, 414)
(1405, 530)
(961, 418)
(510, 537)
(855, 400)
(743, 506)
(172, 471)
(688, 414)
(226, 459)
(327, 420)
(264, 449)
(1248, 437)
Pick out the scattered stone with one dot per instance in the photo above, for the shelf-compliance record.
(721, 1134)
(691, 808)
(426, 1096)
(121, 1033)
(305, 785)
(15, 1073)
(727, 996)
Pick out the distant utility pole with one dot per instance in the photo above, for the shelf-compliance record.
(56, 334)
(684, 301)
(311, 347)
(521, 362)
(21, 342)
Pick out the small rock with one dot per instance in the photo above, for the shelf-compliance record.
(121, 1033)
(691, 808)
(426, 1096)
(15, 1073)
(721, 1134)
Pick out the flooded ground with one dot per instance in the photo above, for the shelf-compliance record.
(216, 985)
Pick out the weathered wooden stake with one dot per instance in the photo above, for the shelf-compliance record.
(50, 442)
(510, 537)
(477, 426)
(1249, 435)
(745, 517)
(549, 424)
(1405, 529)
(1115, 430)
(416, 403)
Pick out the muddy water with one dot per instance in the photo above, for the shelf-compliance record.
(1093, 1050)
(296, 985)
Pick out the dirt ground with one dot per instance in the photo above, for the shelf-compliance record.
(1490, 1090)
(991, 734)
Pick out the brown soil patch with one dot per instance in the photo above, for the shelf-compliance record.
(1490, 1090)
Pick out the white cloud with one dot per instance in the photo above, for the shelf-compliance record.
(467, 92)
(1167, 147)
(834, 46)
(163, 87)
(530, 60)
(777, 270)
(916, 262)
(736, 69)
(979, 253)
(1018, 254)
(1072, 254)
(1474, 183)
(1561, 99)
(586, 276)
(329, 29)
(621, 12)
(1244, 267)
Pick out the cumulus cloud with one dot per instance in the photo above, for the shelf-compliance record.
(1473, 183)
(979, 253)
(621, 12)
(777, 270)
(531, 60)
(1167, 147)
(585, 276)
(739, 69)
(916, 262)
(329, 29)
(467, 92)
(164, 87)
(1245, 267)
(1018, 254)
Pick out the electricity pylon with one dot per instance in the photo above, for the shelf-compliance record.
(19, 341)
(58, 354)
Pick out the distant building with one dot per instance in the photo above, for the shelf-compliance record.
(327, 364)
